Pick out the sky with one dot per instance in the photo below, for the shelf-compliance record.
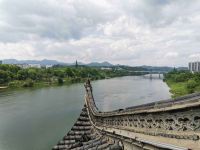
(129, 32)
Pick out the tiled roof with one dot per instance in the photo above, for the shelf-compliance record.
(83, 136)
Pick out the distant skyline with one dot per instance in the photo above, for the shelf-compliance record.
(136, 32)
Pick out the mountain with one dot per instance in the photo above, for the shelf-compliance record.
(41, 62)
(54, 62)
(156, 68)
(10, 61)
(183, 68)
(97, 64)
(92, 64)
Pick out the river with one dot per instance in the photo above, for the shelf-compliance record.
(36, 119)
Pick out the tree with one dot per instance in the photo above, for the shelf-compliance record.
(60, 81)
(4, 76)
(197, 77)
(32, 74)
(84, 73)
(22, 74)
(191, 84)
(28, 83)
(69, 72)
(59, 73)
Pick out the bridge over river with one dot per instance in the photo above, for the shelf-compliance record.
(172, 124)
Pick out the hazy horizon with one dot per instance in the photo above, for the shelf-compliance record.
(85, 63)
(135, 33)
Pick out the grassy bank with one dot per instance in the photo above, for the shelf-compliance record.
(182, 82)
(177, 89)
(12, 76)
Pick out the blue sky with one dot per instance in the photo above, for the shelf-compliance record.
(133, 32)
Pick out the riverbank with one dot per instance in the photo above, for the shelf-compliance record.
(182, 82)
(177, 89)
(39, 84)
(13, 76)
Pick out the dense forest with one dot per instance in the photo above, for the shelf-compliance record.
(183, 82)
(14, 76)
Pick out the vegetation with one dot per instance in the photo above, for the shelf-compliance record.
(14, 76)
(182, 82)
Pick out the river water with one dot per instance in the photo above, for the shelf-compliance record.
(36, 119)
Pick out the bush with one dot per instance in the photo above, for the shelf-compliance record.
(28, 83)
(191, 84)
(60, 81)
(4, 76)
(15, 84)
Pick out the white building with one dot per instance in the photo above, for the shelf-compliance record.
(194, 66)
(48, 66)
(105, 68)
(24, 66)
(35, 65)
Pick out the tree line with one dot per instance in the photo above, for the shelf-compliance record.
(13, 75)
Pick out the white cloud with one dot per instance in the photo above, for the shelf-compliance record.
(136, 32)
(171, 55)
(19, 50)
(195, 57)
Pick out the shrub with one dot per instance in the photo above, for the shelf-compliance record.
(191, 84)
(28, 83)
(15, 84)
(60, 81)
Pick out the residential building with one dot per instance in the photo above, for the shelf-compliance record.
(106, 68)
(48, 66)
(24, 66)
(35, 65)
(194, 66)
(29, 65)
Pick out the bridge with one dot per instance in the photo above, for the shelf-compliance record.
(172, 124)
(150, 73)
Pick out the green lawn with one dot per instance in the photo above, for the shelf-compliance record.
(180, 88)
(177, 88)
